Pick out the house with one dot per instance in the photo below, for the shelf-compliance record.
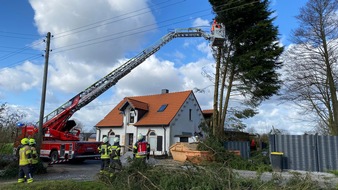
(163, 119)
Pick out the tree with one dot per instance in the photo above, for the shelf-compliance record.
(311, 68)
(8, 121)
(249, 58)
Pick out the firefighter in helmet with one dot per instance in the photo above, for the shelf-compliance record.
(115, 161)
(25, 160)
(35, 157)
(141, 148)
(104, 150)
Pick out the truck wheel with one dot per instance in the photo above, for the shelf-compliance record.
(54, 156)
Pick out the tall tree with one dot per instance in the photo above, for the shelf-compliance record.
(312, 70)
(250, 57)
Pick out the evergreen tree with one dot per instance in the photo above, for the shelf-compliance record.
(253, 41)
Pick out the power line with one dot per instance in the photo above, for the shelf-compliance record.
(125, 35)
(127, 32)
(103, 22)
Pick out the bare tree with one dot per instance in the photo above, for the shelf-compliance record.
(8, 121)
(311, 64)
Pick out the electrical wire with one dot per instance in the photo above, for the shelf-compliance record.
(125, 35)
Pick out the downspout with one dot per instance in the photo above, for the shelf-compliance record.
(164, 141)
(99, 140)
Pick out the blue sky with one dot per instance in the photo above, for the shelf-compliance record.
(92, 38)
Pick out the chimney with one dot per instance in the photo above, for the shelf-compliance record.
(164, 91)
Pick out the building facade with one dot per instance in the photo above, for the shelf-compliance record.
(163, 119)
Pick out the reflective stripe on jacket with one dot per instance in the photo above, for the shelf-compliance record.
(117, 149)
(135, 147)
(35, 157)
(104, 150)
(25, 156)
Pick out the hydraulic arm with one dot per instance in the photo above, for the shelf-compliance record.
(58, 120)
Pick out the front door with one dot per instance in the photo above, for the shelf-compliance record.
(130, 141)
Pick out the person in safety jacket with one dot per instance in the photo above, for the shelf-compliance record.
(25, 160)
(115, 161)
(141, 148)
(35, 157)
(104, 150)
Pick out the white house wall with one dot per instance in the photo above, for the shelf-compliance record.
(182, 124)
(159, 131)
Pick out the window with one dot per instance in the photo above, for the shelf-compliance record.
(132, 116)
(190, 115)
(162, 108)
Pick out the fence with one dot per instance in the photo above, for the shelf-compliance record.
(242, 146)
(306, 152)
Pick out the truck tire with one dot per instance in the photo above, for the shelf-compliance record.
(54, 156)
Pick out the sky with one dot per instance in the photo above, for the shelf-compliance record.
(91, 38)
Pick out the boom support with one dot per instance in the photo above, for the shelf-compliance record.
(57, 122)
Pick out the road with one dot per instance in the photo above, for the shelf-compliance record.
(82, 171)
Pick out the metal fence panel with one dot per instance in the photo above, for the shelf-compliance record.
(242, 146)
(307, 152)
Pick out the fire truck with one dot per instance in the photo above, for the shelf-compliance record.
(61, 139)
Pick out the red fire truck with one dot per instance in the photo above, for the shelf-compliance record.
(60, 138)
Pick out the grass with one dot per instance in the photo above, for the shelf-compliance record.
(56, 185)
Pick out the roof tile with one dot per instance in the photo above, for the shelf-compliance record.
(174, 100)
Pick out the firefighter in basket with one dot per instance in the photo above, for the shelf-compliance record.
(115, 161)
(104, 150)
(141, 148)
(35, 157)
(25, 160)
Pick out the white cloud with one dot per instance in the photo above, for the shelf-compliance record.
(21, 78)
(199, 22)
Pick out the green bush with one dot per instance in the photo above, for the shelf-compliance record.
(6, 148)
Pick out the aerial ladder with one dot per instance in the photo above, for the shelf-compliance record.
(56, 124)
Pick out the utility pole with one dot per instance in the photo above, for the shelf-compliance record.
(43, 95)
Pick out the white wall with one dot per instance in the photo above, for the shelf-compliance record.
(181, 122)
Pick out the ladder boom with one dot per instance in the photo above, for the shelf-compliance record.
(58, 118)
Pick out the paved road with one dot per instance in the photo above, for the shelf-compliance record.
(82, 171)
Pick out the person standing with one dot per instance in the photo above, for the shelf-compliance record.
(141, 149)
(35, 157)
(104, 150)
(115, 161)
(25, 160)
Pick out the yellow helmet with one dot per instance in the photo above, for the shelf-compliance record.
(32, 141)
(24, 141)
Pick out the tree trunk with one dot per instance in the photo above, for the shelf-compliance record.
(216, 89)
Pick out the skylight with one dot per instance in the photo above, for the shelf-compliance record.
(162, 108)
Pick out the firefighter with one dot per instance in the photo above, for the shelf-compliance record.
(115, 161)
(25, 160)
(104, 150)
(35, 157)
(141, 149)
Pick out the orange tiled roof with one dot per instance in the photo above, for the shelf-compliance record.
(174, 100)
(136, 104)
(208, 111)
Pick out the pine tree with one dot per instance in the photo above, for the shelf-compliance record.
(253, 61)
